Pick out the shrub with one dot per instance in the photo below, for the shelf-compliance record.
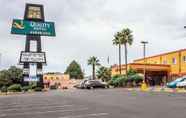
(117, 81)
(26, 88)
(37, 89)
(33, 86)
(14, 88)
(4, 89)
(137, 78)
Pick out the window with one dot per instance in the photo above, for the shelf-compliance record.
(184, 58)
(174, 60)
(164, 62)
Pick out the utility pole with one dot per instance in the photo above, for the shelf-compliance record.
(144, 58)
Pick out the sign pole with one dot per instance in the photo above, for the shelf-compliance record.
(33, 26)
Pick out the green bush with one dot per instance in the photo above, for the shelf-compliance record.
(33, 86)
(136, 78)
(117, 81)
(26, 88)
(4, 89)
(15, 88)
(37, 89)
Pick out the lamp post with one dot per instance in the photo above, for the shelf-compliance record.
(144, 58)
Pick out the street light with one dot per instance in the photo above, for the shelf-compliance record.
(144, 58)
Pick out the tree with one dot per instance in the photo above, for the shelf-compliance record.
(74, 70)
(11, 76)
(126, 38)
(15, 74)
(104, 73)
(117, 41)
(94, 61)
(4, 78)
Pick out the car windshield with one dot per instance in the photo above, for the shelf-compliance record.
(179, 79)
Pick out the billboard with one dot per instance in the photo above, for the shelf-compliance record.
(32, 57)
(31, 79)
(25, 27)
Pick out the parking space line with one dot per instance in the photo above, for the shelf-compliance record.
(87, 115)
(44, 112)
(28, 105)
(32, 108)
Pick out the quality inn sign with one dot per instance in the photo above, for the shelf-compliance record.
(25, 27)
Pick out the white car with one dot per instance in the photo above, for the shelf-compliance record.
(181, 84)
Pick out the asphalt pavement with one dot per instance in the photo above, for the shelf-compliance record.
(99, 103)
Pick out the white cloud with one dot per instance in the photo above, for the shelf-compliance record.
(86, 27)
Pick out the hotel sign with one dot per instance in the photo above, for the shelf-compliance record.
(25, 27)
(33, 57)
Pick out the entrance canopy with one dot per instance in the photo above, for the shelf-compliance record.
(139, 67)
(150, 67)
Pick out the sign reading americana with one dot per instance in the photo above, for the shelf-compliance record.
(31, 79)
(25, 27)
(33, 57)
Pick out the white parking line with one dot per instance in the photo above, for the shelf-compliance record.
(86, 115)
(42, 112)
(28, 105)
(32, 108)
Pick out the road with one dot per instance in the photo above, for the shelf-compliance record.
(100, 103)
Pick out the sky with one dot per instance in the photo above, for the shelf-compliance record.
(85, 28)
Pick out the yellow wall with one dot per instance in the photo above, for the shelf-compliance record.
(115, 70)
(169, 59)
(178, 68)
(53, 79)
(183, 63)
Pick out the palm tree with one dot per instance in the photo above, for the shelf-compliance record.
(94, 61)
(117, 41)
(126, 38)
(104, 73)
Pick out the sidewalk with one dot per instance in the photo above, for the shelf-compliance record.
(159, 89)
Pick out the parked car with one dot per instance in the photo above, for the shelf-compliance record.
(95, 84)
(81, 84)
(175, 82)
(181, 84)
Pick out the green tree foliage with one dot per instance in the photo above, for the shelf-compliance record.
(11, 76)
(4, 78)
(104, 73)
(118, 81)
(74, 70)
(131, 72)
(93, 61)
(15, 74)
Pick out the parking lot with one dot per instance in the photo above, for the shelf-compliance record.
(99, 103)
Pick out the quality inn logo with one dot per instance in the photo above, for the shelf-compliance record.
(18, 25)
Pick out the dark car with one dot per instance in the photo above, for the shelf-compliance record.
(95, 84)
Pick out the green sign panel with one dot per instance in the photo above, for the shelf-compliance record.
(24, 27)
